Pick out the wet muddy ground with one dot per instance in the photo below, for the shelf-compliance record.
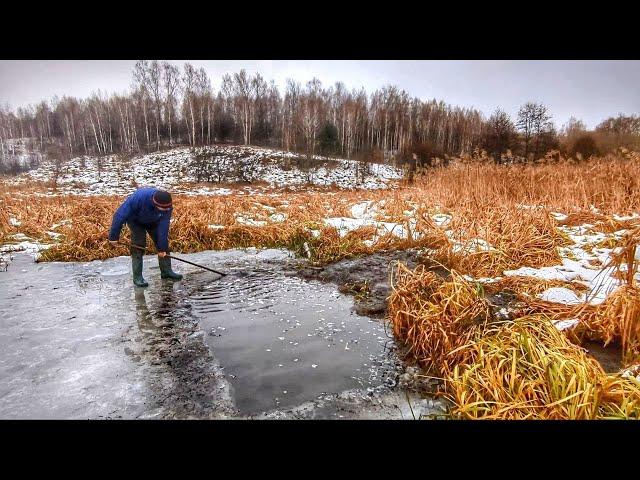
(366, 278)
(77, 340)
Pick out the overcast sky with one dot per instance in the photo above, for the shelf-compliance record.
(589, 90)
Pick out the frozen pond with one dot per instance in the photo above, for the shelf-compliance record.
(77, 340)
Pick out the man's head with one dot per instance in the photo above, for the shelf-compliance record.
(162, 200)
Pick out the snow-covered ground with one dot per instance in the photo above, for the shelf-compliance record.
(583, 262)
(18, 149)
(369, 214)
(113, 175)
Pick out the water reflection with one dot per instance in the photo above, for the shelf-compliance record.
(171, 344)
(144, 317)
(283, 340)
(162, 315)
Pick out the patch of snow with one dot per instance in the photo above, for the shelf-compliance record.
(26, 246)
(482, 279)
(600, 282)
(250, 221)
(20, 236)
(565, 324)
(560, 295)
(581, 262)
(63, 222)
(441, 219)
(14, 221)
(344, 225)
(277, 217)
(623, 218)
(362, 210)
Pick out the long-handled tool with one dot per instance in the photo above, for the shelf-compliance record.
(130, 245)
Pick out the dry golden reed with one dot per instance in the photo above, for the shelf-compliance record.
(527, 369)
(432, 317)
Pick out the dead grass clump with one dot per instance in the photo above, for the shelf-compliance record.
(531, 286)
(329, 246)
(487, 242)
(617, 320)
(610, 225)
(575, 219)
(527, 369)
(433, 317)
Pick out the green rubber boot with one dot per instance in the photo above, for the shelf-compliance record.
(136, 263)
(165, 269)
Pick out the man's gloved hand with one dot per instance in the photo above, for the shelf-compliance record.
(162, 254)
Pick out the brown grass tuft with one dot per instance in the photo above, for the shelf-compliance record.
(527, 369)
(433, 317)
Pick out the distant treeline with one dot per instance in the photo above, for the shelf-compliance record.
(168, 107)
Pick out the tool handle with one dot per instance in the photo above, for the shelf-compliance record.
(196, 265)
(174, 258)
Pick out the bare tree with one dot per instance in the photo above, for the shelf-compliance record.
(171, 78)
(154, 86)
(141, 82)
(189, 82)
(533, 121)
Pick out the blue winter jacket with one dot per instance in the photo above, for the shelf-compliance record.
(139, 208)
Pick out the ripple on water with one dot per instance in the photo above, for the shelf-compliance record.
(283, 340)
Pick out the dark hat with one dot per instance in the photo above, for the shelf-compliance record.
(162, 199)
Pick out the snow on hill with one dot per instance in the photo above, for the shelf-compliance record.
(114, 175)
